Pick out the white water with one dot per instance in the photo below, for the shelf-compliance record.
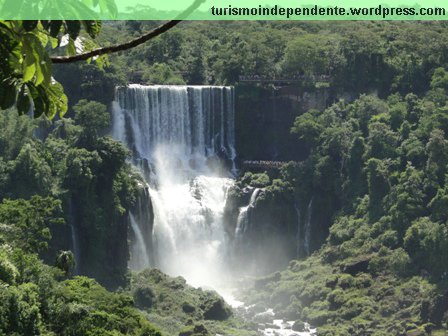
(283, 328)
(188, 231)
(75, 248)
(269, 325)
(180, 130)
(139, 252)
(243, 216)
(197, 119)
(74, 238)
(298, 237)
(306, 242)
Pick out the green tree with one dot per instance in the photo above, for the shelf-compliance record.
(382, 141)
(440, 79)
(26, 76)
(29, 173)
(439, 206)
(437, 152)
(26, 224)
(365, 108)
(406, 199)
(65, 261)
(16, 131)
(311, 54)
(161, 73)
(427, 244)
(308, 128)
(377, 177)
(93, 119)
(196, 73)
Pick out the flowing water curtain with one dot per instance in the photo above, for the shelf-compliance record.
(199, 119)
(177, 129)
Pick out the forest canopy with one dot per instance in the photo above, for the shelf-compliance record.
(374, 170)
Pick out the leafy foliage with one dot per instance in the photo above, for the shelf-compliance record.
(26, 67)
(376, 174)
(25, 224)
(64, 169)
(183, 310)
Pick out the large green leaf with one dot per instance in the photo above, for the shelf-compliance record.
(40, 99)
(57, 99)
(33, 46)
(28, 72)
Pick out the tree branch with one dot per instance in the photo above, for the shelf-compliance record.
(131, 44)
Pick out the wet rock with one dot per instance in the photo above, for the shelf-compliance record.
(272, 326)
(298, 326)
(255, 309)
(285, 325)
(264, 317)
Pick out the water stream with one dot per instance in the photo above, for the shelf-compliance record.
(180, 136)
(183, 134)
(243, 216)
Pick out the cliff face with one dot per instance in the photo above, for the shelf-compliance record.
(283, 223)
(102, 244)
(264, 116)
(263, 223)
(279, 224)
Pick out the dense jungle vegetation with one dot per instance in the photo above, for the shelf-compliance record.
(380, 166)
(361, 57)
(376, 165)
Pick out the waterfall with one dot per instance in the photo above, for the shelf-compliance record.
(75, 248)
(298, 236)
(181, 135)
(139, 252)
(243, 216)
(197, 120)
(73, 236)
(141, 220)
(306, 242)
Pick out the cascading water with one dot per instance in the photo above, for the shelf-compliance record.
(74, 237)
(141, 220)
(139, 251)
(198, 121)
(298, 236)
(306, 241)
(75, 248)
(178, 133)
(243, 216)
